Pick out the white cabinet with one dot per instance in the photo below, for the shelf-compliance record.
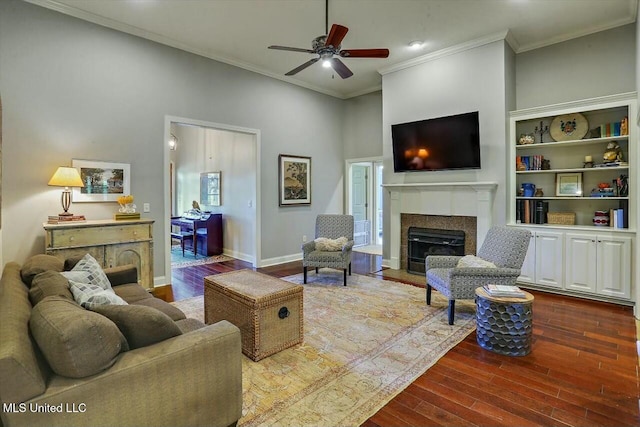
(599, 263)
(544, 261)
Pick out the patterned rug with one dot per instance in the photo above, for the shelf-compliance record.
(363, 344)
(188, 260)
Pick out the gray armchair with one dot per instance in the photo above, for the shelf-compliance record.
(505, 247)
(331, 227)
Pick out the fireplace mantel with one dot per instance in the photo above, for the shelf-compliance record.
(467, 198)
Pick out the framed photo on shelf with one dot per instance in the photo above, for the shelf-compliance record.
(103, 181)
(569, 184)
(294, 180)
(210, 186)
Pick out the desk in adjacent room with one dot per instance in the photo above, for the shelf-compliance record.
(208, 232)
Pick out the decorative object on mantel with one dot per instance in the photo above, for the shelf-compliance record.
(526, 138)
(588, 162)
(569, 127)
(66, 177)
(127, 208)
(541, 130)
(539, 192)
(624, 126)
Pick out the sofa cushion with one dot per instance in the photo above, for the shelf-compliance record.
(89, 295)
(132, 292)
(37, 264)
(21, 375)
(88, 270)
(49, 283)
(141, 325)
(173, 312)
(76, 342)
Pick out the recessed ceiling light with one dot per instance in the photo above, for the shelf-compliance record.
(416, 44)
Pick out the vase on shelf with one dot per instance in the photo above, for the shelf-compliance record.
(538, 192)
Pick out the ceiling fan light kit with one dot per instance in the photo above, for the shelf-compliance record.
(328, 46)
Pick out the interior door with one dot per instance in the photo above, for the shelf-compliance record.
(359, 203)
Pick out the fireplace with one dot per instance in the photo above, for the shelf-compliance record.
(422, 242)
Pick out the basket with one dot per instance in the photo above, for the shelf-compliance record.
(563, 218)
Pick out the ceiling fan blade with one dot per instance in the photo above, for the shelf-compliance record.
(293, 49)
(340, 68)
(302, 67)
(365, 53)
(335, 36)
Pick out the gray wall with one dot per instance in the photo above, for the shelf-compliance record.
(595, 65)
(363, 126)
(73, 89)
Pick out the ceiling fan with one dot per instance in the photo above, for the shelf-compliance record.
(327, 46)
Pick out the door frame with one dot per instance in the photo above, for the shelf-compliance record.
(257, 255)
(371, 195)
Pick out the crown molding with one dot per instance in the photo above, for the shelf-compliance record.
(452, 50)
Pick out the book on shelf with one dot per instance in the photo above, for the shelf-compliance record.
(504, 291)
(56, 219)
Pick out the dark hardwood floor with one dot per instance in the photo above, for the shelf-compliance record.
(583, 369)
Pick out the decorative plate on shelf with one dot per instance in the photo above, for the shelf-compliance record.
(569, 127)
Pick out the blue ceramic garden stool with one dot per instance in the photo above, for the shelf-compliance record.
(504, 325)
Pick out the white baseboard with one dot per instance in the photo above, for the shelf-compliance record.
(280, 260)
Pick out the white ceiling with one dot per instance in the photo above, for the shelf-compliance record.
(238, 31)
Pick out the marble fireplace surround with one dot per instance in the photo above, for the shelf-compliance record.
(474, 199)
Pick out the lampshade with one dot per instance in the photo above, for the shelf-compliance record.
(66, 177)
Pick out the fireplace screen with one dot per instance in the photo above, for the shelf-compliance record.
(431, 241)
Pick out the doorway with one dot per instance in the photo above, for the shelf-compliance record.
(364, 202)
(235, 153)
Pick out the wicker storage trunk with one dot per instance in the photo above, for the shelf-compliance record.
(267, 310)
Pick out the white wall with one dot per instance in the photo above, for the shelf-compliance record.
(362, 127)
(472, 80)
(595, 65)
(73, 89)
(234, 155)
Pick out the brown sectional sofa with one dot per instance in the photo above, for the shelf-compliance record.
(141, 364)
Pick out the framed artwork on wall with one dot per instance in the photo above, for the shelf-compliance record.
(103, 181)
(569, 184)
(210, 188)
(294, 183)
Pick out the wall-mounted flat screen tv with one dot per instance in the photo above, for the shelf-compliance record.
(443, 143)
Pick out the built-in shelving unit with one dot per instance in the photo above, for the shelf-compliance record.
(579, 258)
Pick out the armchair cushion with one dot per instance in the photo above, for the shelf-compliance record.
(474, 261)
(330, 245)
(75, 342)
(141, 325)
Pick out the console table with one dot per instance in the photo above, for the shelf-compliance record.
(207, 232)
(110, 242)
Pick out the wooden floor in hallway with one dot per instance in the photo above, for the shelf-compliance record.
(583, 369)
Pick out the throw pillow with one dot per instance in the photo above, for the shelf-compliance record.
(474, 261)
(141, 326)
(90, 296)
(75, 342)
(330, 245)
(88, 269)
(49, 283)
(37, 264)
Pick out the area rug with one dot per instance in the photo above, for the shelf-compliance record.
(369, 249)
(188, 260)
(363, 344)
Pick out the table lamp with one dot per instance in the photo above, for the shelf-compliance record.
(66, 177)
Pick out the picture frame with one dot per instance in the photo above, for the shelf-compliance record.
(103, 181)
(210, 188)
(569, 184)
(294, 180)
